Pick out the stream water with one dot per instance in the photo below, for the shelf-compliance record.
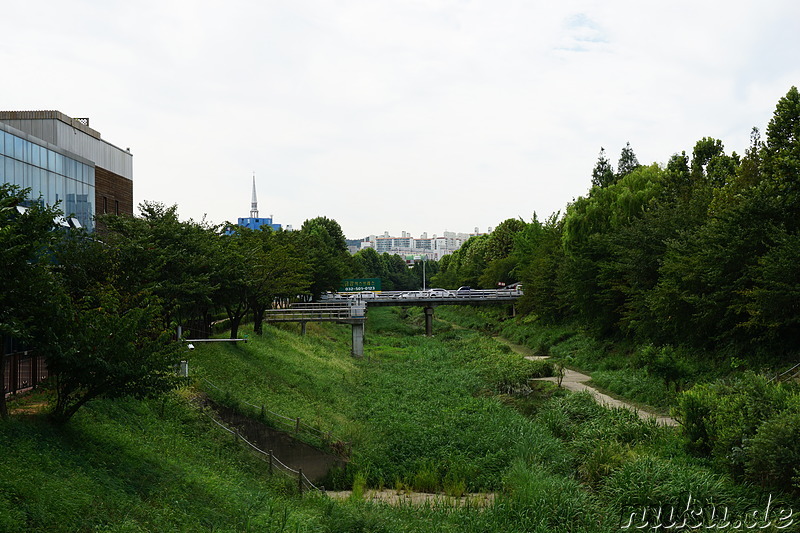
(293, 453)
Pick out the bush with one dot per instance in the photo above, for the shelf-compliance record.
(720, 419)
(663, 363)
(773, 455)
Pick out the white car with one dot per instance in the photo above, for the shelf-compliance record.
(439, 293)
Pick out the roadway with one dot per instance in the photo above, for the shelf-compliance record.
(427, 298)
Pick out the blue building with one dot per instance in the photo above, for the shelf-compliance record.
(255, 222)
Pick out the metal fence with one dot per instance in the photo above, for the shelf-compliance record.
(303, 483)
(24, 370)
(287, 423)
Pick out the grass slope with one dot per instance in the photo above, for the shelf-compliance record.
(452, 412)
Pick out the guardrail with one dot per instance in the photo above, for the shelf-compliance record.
(400, 295)
(309, 315)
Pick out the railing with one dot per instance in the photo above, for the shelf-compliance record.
(793, 371)
(309, 315)
(294, 424)
(303, 483)
(24, 370)
(472, 294)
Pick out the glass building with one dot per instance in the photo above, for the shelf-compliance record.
(50, 173)
(63, 161)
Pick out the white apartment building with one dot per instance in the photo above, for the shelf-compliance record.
(434, 247)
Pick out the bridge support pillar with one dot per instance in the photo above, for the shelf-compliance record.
(358, 339)
(429, 321)
(302, 328)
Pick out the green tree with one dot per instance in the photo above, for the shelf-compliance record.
(326, 253)
(598, 282)
(172, 259)
(109, 345)
(26, 284)
(234, 278)
(500, 244)
(627, 162)
(400, 277)
(368, 264)
(782, 151)
(278, 270)
(603, 173)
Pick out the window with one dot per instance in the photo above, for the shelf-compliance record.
(105, 205)
(116, 207)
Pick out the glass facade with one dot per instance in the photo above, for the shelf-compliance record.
(49, 174)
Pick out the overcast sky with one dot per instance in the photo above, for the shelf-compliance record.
(437, 115)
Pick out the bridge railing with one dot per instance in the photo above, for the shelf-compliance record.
(310, 315)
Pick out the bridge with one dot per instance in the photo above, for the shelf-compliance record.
(351, 308)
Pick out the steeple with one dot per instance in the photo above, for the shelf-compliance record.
(254, 203)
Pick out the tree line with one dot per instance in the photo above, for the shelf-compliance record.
(105, 308)
(702, 252)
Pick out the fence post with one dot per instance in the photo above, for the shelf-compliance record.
(270, 462)
(300, 480)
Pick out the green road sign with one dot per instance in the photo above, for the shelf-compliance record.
(361, 284)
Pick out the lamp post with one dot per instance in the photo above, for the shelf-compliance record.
(424, 257)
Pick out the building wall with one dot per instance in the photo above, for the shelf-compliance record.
(257, 223)
(72, 135)
(113, 193)
(65, 160)
(52, 174)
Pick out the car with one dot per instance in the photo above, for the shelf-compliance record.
(439, 293)
(361, 295)
(463, 290)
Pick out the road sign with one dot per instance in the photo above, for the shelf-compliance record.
(360, 284)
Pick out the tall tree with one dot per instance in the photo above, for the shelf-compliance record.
(603, 173)
(368, 264)
(26, 285)
(326, 253)
(782, 154)
(234, 278)
(109, 345)
(627, 162)
(172, 259)
(277, 271)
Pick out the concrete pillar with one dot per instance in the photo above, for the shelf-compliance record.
(358, 339)
(429, 321)
(302, 328)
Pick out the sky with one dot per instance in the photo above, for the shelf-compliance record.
(418, 116)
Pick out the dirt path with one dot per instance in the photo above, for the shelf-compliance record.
(395, 497)
(575, 381)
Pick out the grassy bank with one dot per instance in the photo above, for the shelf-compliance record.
(451, 413)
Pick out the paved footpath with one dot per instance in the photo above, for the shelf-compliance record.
(575, 381)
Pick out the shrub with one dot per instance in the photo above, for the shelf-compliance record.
(773, 455)
(720, 418)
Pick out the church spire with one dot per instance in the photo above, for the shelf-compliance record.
(254, 203)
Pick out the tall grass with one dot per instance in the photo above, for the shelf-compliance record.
(432, 414)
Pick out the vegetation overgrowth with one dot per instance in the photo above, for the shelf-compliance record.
(433, 414)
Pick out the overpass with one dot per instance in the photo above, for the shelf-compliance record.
(351, 308)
